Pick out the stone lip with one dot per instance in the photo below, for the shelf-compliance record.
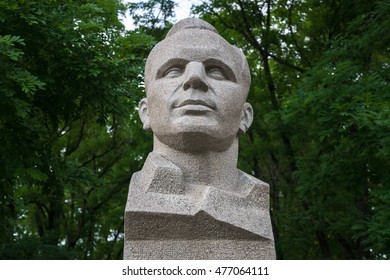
(158, 189)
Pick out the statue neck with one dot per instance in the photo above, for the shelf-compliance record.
(208, 168)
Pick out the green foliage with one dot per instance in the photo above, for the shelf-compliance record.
(153, 13)
(70, 137)
(70, 86)
(341, 116)
(321, 131)
(152, 17)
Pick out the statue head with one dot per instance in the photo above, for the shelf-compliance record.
(196, 88)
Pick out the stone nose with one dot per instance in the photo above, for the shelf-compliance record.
(195, 78)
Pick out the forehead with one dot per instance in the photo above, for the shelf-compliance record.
(194, 45)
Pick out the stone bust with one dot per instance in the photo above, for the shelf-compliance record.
(196, 85)
(196, 89)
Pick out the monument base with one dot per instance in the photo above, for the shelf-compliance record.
(165, 219)
(199, 250)
(158, 236)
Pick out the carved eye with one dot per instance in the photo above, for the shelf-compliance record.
(215, 73)
(173, 72)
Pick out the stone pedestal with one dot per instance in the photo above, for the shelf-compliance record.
(176, 237)
(166, 220)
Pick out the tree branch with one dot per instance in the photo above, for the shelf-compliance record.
(289, 20)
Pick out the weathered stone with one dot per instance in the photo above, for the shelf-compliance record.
(190, 201)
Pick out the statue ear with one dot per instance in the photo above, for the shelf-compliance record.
(246, 118)
(144, 114)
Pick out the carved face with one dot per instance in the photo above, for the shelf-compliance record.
(196, 91)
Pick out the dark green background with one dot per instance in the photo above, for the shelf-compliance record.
(70, 137)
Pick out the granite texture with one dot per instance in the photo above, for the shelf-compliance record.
(190, 201)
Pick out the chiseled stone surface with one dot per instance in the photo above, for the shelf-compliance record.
(190, 201)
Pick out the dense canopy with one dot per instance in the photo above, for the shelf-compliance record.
(70, 138)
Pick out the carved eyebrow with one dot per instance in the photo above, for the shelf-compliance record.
(180, 62)
(226, 68)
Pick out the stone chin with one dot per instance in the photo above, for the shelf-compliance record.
(196, 141)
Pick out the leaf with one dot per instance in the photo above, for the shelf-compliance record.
(7, 46)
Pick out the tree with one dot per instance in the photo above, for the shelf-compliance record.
(152, 14)
(320, 95)
(70, 137)
(341, 118)
(70, 85)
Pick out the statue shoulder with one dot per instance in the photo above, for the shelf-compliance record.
(248, 183)
(160, 175)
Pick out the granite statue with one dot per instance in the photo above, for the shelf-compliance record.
(190, 201)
